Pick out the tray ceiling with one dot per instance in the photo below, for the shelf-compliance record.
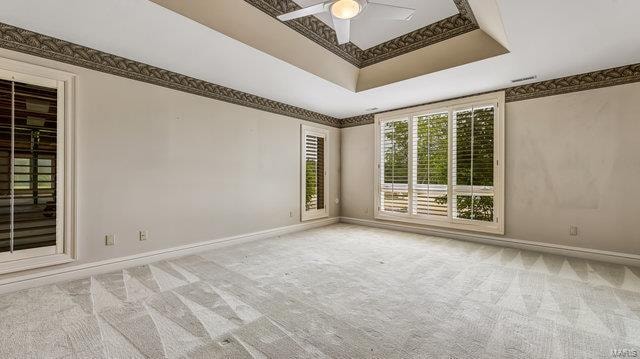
(426, 34)
(311, 45)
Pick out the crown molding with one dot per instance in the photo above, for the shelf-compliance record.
(582, 82)
(32, 43)
(322, 34)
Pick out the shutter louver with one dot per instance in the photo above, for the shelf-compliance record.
(28, 138)
(314, 172)
(395, 166)
(430, 164)
(6, 113)
(473, 163)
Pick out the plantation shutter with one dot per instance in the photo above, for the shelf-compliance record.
(473, 163)
(314, 156)
(431, 164)
(28, 150)
(439, 164)
(394, 166)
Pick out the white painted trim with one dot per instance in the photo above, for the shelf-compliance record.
(440, 106)
(34, 262)
(25, 254)
(88, 269)
(65, 83)
(319, 132)
(569, 251)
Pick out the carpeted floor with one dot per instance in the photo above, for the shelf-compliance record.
(341, 291)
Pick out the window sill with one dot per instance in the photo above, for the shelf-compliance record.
(34, 263)
(445, 223)
(309, 216)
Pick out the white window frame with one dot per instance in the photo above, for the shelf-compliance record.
(317, 213)
(495, 227)
(65, 249)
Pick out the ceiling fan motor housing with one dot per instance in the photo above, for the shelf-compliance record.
(346, 7)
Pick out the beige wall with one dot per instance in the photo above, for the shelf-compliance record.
(571, 160)
(185, 168)
(190, 169)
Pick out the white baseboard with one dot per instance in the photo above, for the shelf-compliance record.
(53, 275)
(585, 253)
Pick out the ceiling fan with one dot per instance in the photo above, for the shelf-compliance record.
(343, 11)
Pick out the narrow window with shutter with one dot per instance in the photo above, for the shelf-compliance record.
(431, 164)
(440, 164)
(394, 167)
(28, 135)
(473, 158)
(32, 177)
(314, 172)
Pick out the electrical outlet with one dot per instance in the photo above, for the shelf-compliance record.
(573, 230)
(109, 240)
(143, 235)
(291, 214)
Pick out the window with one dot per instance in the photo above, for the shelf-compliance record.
(36, 202)
(442, 164)
(315, 189)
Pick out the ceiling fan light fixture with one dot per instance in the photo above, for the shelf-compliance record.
(345, 9)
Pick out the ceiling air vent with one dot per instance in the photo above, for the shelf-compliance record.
(523, 79)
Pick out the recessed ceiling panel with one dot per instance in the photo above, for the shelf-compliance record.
(367, 32)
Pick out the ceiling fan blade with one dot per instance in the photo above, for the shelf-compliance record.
(311, 10)
(343, 30)
(390, 12)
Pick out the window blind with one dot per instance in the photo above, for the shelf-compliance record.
(28, 150)
(473, 163)
(314, 172)
(431, 164)
(440, 164)
(394, 142)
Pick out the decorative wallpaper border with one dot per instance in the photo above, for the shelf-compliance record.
(25, 41)
(587, 81)
(360, 120)
(440, 31)
(325, 36)
(582, 82)
(465, 10)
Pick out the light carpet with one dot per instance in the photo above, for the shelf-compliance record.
(341, 291)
